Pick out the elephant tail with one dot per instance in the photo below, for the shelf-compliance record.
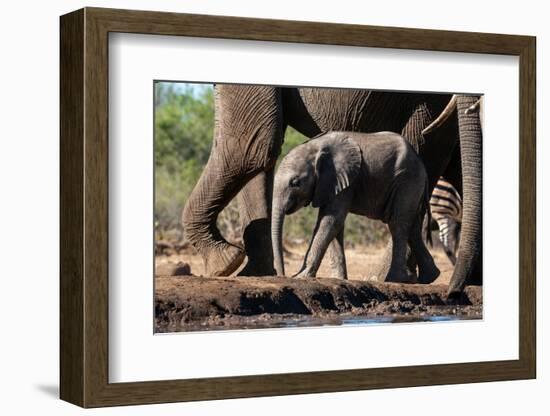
(427, 210)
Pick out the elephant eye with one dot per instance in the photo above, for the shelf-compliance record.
(295, 182)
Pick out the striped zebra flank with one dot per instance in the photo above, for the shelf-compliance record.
(446, 208)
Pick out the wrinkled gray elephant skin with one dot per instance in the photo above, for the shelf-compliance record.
(250, 122)
(377, 175)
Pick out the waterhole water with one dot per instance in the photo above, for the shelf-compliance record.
(294, 321)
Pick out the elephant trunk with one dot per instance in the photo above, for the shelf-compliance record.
(467, 268)
(277, 221)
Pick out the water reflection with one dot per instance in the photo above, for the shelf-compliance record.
(307, 321)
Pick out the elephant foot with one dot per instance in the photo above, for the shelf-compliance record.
(304, 274)
(223, 260)
(339, 276)
(395, 275)
(257, 245)
(384, 269)
(428, 274)
(456, 298)
(400, 276)
(255, 269)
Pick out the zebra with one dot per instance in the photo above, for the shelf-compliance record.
(446, 208)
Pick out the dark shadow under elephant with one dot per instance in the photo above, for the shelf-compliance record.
(250, 123)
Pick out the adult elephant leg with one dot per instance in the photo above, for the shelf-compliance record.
(468, 266)
(211, 194)
(255, 213)
(247, 139)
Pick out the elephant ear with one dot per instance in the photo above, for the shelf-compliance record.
(337, 165)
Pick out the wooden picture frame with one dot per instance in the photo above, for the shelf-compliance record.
(84, 207)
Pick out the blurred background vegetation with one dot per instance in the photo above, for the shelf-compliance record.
(184, 123)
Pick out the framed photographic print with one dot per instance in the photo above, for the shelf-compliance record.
(260, 207)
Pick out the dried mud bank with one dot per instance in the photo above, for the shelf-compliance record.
(190, 303)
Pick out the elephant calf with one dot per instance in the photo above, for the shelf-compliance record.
(377, 175)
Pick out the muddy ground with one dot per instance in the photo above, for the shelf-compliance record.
(192, 302)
